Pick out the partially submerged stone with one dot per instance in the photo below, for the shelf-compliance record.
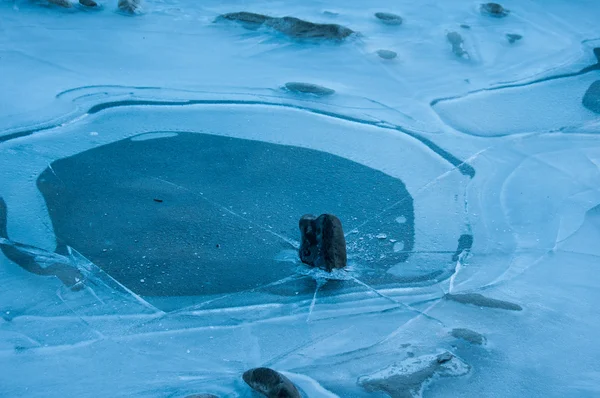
(388, 18)
(308, 88)
(482, 301)
(513, 37)
(457, 43)
(591, 98)
(88, 3)
(270, 383)
(323, 243)
(407, 378)
(387, 54)
(493, 10)
(129, 6)
(468, 335)
(290, 26)
(61, 3)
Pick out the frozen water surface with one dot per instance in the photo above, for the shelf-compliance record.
(154, 168)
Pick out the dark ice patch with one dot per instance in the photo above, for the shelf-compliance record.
(230, 207)
(591, 98)
(482, 301)
(308, 88)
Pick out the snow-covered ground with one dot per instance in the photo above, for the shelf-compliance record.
(153, 168)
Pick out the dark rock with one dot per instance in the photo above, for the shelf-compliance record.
(61, 3)
(444, 357)
(494, 10)
(597, 53)
(290, 26)
(270, 383)
(248, 19)
(298, 28)
(482, 301)
(468, 335)
(591, 98)
(129, 6)
(202, 396)
(456, 41)
(308, 88)
(513, 37)
(88, 3)
(388, 18)
(465, 26)
(387, 54)
(465, 242)
(322, 242)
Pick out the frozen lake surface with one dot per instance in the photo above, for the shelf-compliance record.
(154, 166)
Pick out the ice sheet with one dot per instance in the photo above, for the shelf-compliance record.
(154, 167)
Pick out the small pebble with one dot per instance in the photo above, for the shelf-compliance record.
(388, 18)
(387, 54)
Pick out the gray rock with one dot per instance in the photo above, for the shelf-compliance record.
(465, 26)
(591, 98)
(290, 26)
(482, 301)
(387, 54)
(457, 43)
(513, 37)
(202, 396)
(322, 242)
(270, 383)
(61, 3)
(493, 10)
(308, 88)
(129, 6)
(468, 335)
(406, 379)
(88, 3)
(388, 18)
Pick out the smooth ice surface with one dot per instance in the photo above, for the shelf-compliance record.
(154, 166)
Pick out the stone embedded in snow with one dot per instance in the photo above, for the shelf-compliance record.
(456, 41)
(270, 383)
(88, 3)
(468, 335)
(290, 26)
(513, 37)
(388, 18)
(130, 6)
(308, 88)
(493, 10)
(202, 396)
(591, 98)
(409, 377)
(387, 54)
